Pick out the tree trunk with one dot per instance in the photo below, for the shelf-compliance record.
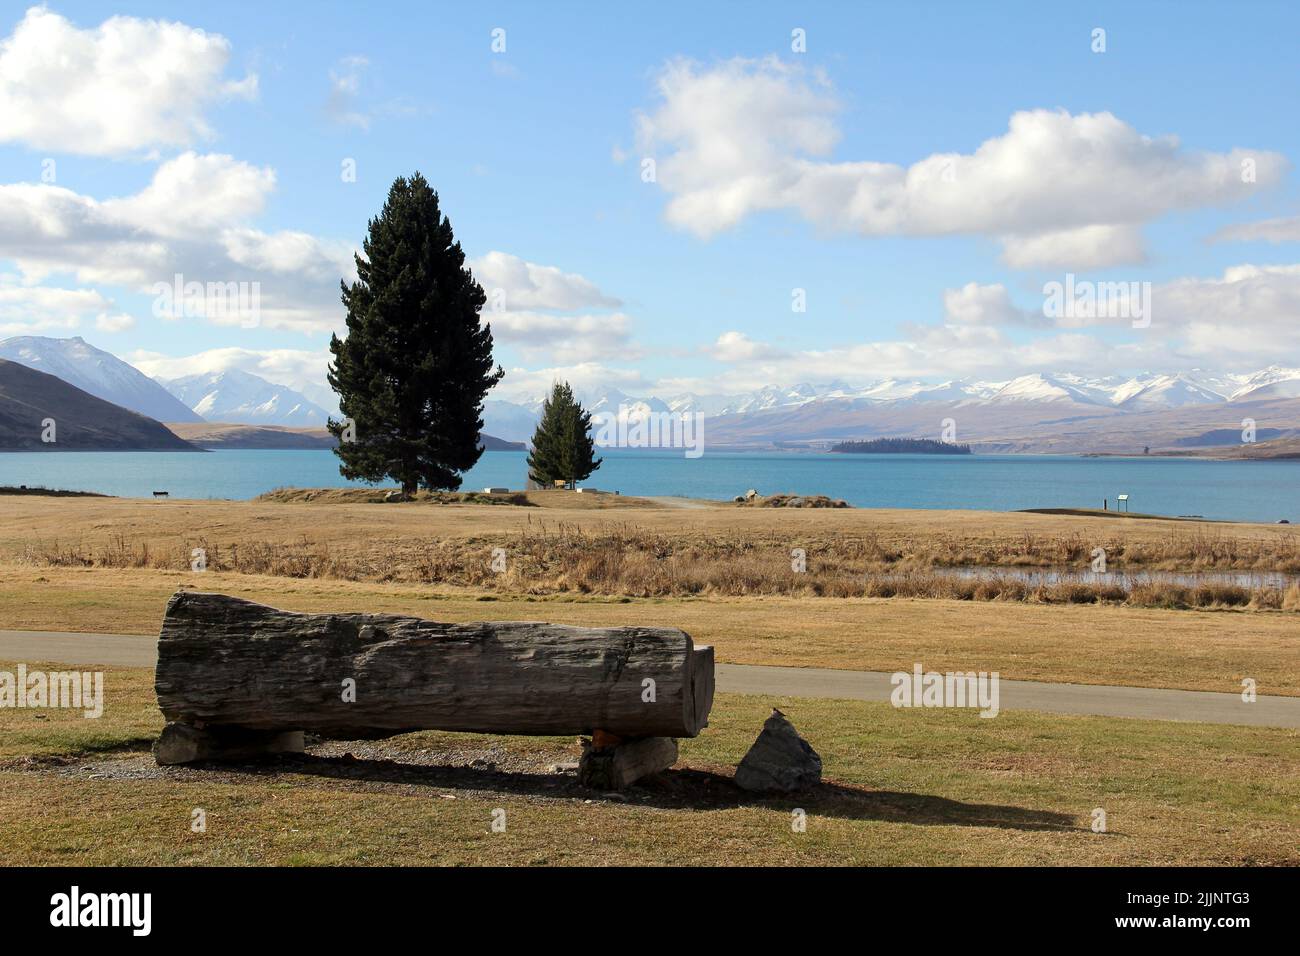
(224, 662)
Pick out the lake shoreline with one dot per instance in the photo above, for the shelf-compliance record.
(1173, 486)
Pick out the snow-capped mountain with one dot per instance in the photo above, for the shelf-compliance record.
(1165, 391)
(1039, 388)
(242, 398)
(772, 396)
(1272, 382)
(804, 408)
(103, 375)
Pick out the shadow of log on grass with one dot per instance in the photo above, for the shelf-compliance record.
(677, 789)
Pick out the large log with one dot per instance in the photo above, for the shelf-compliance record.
(224, 662)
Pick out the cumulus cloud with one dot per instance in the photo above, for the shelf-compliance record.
(1244, 319)
(738, 347)
(190, 221)
(745, 136)
(564, 338)
(526, 385)
(28, 309)
(1087, 247)
(527, 285)
(121, 88)
(192, 193)
(985, 305)
(546, 312)
(1250, 312)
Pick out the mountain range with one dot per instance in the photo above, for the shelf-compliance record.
(1037, 412)
(231, 395)
(102, 402)
(1157, 390)
(243, 398)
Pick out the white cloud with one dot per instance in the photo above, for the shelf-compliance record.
(1251, 313)
(1087, 247)
(114, 323)
(192, 193)
(29, 309)
(527, 285)
(1247, 318)
(751, 135)
(122, 88)
(290, 253)
(564, 338)
(1284, 229)
(738, 347)
(985, 305)
(191, 221)
(524, 385)
(542, 310)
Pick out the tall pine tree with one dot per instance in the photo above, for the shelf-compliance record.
(416, 364)
(563, 449)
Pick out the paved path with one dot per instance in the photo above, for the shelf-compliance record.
(1102, 699)
(134, 650)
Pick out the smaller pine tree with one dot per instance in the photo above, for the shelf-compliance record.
(563, 449)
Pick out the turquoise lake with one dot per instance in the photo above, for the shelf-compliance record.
(1240, 490)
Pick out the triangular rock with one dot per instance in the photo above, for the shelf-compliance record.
(780, 760)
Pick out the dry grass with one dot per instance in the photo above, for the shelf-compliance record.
(544, 498)
(1082, 644)
(902, 787)
(377, 495)
(625, 559)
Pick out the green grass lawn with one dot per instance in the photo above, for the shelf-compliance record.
(900, 787)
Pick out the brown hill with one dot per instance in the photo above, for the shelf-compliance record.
(82, 422)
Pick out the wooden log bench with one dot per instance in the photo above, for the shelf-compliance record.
(235, 679)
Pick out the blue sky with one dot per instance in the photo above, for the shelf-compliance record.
(537, 156)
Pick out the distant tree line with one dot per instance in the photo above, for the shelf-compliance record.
(901, 446)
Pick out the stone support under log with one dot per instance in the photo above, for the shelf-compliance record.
(619, 765)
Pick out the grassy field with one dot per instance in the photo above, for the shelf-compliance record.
(563, 543)
(1200, 650)
(900, 787)
(956, 536)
